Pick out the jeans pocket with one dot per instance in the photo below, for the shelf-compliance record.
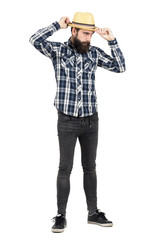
(63, 117)
(94, 118)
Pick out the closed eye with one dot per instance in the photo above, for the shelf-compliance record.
(86, 33)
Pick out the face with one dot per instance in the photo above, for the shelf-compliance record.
(81, 40)
(85, 35)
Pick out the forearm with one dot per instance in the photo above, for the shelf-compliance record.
(117, 55)
(116, 61)
(40, 42)
(42, 34)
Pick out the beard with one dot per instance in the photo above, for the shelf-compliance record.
(81, 47)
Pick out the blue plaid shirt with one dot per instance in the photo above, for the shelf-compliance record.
(74, 72)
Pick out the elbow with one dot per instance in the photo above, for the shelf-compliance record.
(31, 40)
(123, 69)
(120, 68)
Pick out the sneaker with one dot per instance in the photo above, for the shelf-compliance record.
(100, 219)
(59, 223)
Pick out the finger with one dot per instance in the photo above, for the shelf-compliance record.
(64, 19)
(102, 31)
(97, 30)
(107, 29)
(67, 20)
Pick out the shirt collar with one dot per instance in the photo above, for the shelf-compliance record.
(69, 43)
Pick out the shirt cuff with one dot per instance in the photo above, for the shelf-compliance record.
(112, 42)
(56, 25)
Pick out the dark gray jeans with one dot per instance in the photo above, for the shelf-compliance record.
(86, 130)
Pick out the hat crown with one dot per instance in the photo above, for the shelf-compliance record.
(84, 18)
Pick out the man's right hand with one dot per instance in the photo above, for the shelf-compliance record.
(63, 22)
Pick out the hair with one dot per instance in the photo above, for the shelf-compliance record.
(77, 29)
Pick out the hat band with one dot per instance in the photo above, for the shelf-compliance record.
(84, 24)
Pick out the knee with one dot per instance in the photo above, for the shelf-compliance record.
(65, 170)
(89, 168)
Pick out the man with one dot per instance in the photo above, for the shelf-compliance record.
(75, 63)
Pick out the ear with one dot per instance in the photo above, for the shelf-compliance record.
(74, 31)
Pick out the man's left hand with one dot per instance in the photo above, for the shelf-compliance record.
(105, 33)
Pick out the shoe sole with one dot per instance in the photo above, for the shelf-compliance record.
(101, 224)
(58, 230)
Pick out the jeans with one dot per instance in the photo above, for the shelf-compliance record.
(86, 130)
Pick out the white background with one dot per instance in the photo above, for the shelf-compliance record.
(129, 124)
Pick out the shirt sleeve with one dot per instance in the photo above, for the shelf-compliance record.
(115, 62)
(38, 40)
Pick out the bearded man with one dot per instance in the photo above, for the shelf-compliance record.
(75, 63)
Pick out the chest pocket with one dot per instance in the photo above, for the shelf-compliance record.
(90, 64)
(68, 61)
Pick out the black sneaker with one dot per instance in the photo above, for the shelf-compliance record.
(100, 219)
(59, 223)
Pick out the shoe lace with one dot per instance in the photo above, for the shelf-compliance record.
(58, 219)
(102, 214)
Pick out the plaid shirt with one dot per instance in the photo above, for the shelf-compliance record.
(74, 72)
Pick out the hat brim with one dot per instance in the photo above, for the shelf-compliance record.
(82, 27)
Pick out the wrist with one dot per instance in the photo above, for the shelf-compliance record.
(59, 24)
(111, 39)
(56, 25)
(112, 42)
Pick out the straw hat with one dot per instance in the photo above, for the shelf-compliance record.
(83, 20)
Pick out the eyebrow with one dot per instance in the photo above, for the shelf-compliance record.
(88, 33)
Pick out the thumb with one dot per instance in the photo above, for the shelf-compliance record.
(97, 30)
(67, 20)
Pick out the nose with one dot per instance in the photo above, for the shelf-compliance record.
(88, 38)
